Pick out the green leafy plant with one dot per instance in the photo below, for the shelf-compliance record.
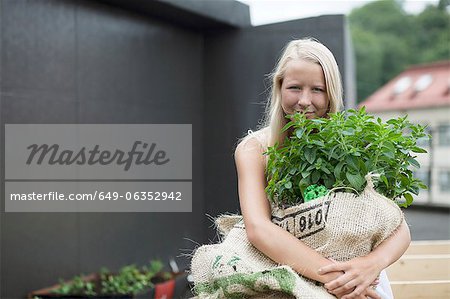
(77, 286)
(339, 151)
(129, 280)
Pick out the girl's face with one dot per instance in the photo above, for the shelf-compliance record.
(303, 89)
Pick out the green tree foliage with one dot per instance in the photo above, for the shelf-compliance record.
(369, 54)
(433, 33)
(387, 40)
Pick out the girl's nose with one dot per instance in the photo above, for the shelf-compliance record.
(304, 98)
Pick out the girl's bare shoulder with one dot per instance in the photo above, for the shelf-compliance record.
(253, 144)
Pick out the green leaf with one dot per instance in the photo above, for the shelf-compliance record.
(404, 180)
(338, 169)
(328, 182)
(369, 165)
(318, 121)
(355, 180)
(325, 169)
(318, 142)
(362, 166)
(348, 132)
(414, 190)
(388, 153)
(315, 176)
(288, 185)
(422, 186)
(352, 162)
(303, 184)
(392, 121)
(310, 167)
(409, 199)
(310, 155)
(413, 162)
(299, 133)
(390, 146)
(384, 179)
(417, 149)
(287, 126)
(331, 154)
(306, 173)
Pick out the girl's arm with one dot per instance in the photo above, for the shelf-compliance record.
(267, 237)
(361, 271)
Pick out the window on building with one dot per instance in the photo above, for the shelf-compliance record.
(402, 84)
(444, 181)
(423, 82)
(444, 134)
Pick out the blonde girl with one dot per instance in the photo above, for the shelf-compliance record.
(306, 79)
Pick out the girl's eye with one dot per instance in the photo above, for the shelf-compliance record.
(318, 89)
(293, 87)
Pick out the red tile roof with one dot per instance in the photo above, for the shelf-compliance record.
(421, 86)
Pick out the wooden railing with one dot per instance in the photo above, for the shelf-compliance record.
(422, 272)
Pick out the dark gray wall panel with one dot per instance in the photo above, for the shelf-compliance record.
(38, 46)
(165, 72)
(37, 248)
(27, 107)
(118, 239)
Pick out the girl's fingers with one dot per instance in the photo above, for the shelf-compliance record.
(341, 281)
(375, 282)
(365, 294)
(372, 293)
(331, 268)
(345, 289)
(358, 291)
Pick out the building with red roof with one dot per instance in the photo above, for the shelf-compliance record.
(419, 87)
(423, 93)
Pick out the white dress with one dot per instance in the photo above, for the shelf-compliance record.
(384, 287)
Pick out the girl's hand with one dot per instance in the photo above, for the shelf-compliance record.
(368, 293)
(359, 274)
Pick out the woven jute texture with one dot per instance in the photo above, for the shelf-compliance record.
(339, 226)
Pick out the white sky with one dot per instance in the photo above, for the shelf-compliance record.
(272, 11)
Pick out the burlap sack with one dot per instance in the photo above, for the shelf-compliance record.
(339, 226)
